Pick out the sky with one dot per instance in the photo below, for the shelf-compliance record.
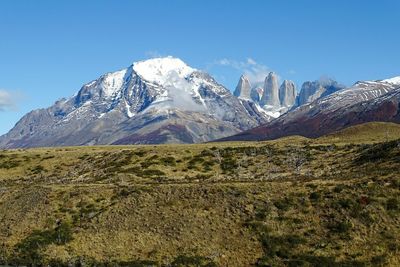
(49, 49)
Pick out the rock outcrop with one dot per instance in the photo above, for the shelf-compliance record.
(270, 95)
(287, 94)
(311, 91)
(243, 89)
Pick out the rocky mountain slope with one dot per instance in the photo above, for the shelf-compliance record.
(363, 102)
(160, 100)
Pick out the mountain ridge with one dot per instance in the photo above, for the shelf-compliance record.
(363, 102)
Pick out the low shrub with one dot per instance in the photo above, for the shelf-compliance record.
(392, 204)
(28, 250)
(341, 227)
(192, 261)
(284, 204)
(315, 196)
(168, 161)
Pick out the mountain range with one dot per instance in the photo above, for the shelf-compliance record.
(163, 100)
(363, 102)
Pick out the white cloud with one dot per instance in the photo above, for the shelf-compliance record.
(153, 54)
(8, 100)
(180, 92)
(256, 72)
(251, 61)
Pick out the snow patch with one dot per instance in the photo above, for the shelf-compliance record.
(395, 80)
(268, 110)
(112, 82)
(90, 83)
(128, 110)
(157, 70)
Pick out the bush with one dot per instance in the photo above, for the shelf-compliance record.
(202, 177)
(152, 173)
(392, 204)
(339, 188)
(228, 164)
(9, 164)
(283, 204)
(377, 152)
(140, 153)
(340, 227)
(147, 173)
(195, 261)
(38, 169)
(168, 161)
(345, 203)
(315, 196)
(280, 246)
(29, 248)
(207, 165)
(379, 260)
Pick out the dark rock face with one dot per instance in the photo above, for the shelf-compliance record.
(256, 94)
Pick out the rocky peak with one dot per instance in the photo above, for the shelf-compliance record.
(311, 91)
(243, 88)
(271, 91)
(287, 93)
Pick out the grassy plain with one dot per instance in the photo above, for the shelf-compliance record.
(332, 201)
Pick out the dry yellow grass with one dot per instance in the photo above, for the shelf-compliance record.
(365, 133)
(293, 201)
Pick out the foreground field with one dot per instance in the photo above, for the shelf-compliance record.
(332, 201)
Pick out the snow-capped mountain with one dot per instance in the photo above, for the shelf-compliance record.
(363, 102)
(160, 100)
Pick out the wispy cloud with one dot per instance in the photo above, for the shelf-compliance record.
(255, 71)
(153, 54)
(8, 100)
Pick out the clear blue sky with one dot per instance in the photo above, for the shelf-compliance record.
(48, 49)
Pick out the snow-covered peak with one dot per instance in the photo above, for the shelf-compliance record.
(158, 70)
(394, 80)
